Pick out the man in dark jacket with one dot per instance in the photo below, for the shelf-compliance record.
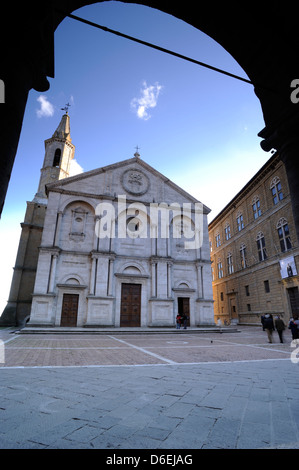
(293, 327)
(280, 326)
(269, 326)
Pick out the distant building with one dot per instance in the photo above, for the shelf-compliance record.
(255, 252)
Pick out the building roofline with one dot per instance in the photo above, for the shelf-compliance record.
(248, 186)
(135, 159)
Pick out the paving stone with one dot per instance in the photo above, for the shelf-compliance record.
(166, 400)
(190, 434)
(179, 410)
(55, 433)
(224, 434)
(257, 412)
(154, 433)
(108, 421)
(254, 436)
(165, 422)
(84, 434)
(119, 431)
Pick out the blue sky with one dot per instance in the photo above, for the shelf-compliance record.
(197, 127)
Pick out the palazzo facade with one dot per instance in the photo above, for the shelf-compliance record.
(255, 251)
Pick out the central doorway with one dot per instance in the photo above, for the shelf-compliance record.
(130, 305)
(69, 310)
(294, 300)
(184, 308)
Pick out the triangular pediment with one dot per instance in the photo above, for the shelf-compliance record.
(133, 178)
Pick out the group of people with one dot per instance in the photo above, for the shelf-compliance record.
(270, 325)
(181, 320)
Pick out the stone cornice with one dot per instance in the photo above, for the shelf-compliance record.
(133, 276)
(266, 168)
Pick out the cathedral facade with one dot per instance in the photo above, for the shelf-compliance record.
(121, 246)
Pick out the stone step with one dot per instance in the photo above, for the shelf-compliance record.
(123, 330)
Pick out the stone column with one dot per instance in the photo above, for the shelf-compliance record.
(153, 235)
(52, 272)
(161, 281)
(169, 278)
(153, 265)
(199, 280)
(102, 276)
(57, 231)
(110, 278)
(92, 276)
(96, 239)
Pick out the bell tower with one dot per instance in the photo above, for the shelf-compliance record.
(59, 152)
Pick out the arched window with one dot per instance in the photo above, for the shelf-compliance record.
(227, 231)
(243, 256)
(220, 269)
(240, 221)
(261, 247)
(256, 207)
(284, 235)
(276, 190)
(230, 266)
(56, 160)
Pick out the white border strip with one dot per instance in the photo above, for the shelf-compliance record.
(161, 358)
(104, 366)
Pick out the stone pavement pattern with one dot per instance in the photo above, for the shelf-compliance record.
(208, 391)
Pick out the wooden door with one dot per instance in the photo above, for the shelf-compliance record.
(184, 307)
(294, 300)
(233, 308)
(69, 310)
(130, 305)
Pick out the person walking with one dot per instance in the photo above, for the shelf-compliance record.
(263, 321)
(296, 321)
(269, 326)
(184, 320)
(293, 327)
(280, 327)
(178, 321)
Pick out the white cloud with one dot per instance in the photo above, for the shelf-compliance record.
(75, 168)
(46, 108)
(148, 99)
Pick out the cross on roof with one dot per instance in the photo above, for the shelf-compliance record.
(137, 154)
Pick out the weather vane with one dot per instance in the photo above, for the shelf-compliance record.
(66, 108)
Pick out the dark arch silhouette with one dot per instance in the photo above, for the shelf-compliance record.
(263, 40)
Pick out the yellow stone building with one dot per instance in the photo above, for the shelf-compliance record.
(255, 252)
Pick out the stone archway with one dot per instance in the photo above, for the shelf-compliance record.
(264, 42)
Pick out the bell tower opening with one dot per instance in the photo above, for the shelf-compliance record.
(57, 157)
